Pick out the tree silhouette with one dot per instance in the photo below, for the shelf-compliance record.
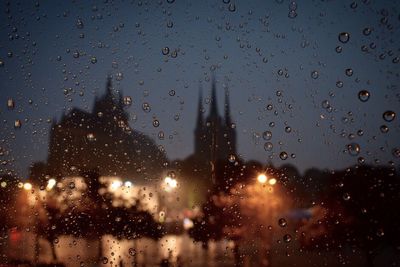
(359, 210)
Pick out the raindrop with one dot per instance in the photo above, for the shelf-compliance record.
(232, 7)
(1, 63)
(282, 222)
(170, 24)
(119, 76)
(353, 149)
(146, 107)
(93, 60)
(268, 146)
(171, 92)
(165, 50)
(283, 155)
(363, 95)
(132, 251)
(267, 135)
(396, 152)
(346, 196)
(156, 123)
(288, 129)
(10, 103)
(231, 158)
(344, 37)
(389, 115)
(287, 238)
(314, 74)
(17, 124)
(367, 31)
(339, 84)
(79, 24)
(105, 260)
(349, 72)
(127, 100)
(325, 104)
(384, 128)
(71, 185)
(292, 14)
(90, 137)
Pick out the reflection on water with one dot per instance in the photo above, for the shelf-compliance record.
(76, 252)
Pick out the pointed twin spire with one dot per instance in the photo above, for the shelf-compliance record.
(214, 107)
(214, 104)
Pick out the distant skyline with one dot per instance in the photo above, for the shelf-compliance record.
(280, 72)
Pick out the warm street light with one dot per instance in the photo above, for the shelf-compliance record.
(170, 183)
(27, 186)
(50, 184)
(128, 184)
(262, 178)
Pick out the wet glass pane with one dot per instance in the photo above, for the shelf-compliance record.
(199, 133)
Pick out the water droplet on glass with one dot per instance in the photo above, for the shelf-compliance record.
(93, 60)
(171, 92)
(344, 37)
(79, 24)
(346, 196)
(353, 149)
(384, 128)
(282, 222)
(10, 103)
(267, 135)
(268, 146)
(287, 238)
(292, 14)
(127, 100)
(17, 124)
(283, 155)
(156, 123)
(349, 72)
(146, 107)
(325, 104)
(119, 76)
(232, 7)
(165, 50)
(314, 74)
(288, 129)
(90, 137)
(367, 31)
(71, 185)
(389, 115)
(363, 95)
(231, 158)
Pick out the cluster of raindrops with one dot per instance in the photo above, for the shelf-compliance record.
(292, 9)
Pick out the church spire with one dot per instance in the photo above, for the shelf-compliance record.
(228, 119)
(109, 86)
(214, 107)
(199, 123)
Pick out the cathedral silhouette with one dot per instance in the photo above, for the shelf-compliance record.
(102, 140)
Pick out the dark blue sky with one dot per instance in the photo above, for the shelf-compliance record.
(56, 55)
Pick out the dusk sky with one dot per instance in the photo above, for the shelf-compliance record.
(56, 55)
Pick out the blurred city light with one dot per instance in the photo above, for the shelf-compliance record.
(50, 184)
(170, 183)
(27, 186)
(272, 181)
(262, 178)
(128, 184)
(115, 185)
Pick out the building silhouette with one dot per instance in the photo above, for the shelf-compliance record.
(211, 165)
(103, 140)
